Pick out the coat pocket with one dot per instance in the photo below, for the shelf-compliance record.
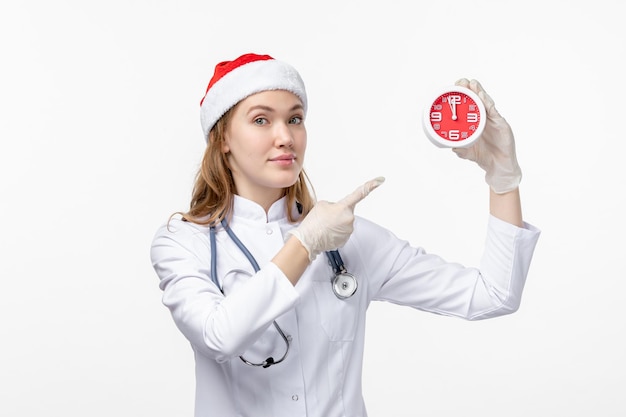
(338, 317)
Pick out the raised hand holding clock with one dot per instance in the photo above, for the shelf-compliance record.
(479, 133)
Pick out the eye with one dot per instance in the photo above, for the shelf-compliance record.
(295, 120)
(260, 121)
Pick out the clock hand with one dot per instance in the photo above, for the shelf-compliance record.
(452, 104)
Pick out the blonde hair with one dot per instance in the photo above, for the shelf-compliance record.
(214, 188)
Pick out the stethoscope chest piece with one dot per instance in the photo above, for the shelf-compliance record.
(344, 285)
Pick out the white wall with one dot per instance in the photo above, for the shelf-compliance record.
(100, 139)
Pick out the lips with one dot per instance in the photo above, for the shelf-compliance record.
(286, 157)
(286, 160)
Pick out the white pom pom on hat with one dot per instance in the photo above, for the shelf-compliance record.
(249, 74)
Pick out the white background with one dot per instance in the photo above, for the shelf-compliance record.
(100, 140)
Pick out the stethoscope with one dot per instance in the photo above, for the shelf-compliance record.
(343, 283)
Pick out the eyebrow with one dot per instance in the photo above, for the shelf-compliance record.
(271, 109)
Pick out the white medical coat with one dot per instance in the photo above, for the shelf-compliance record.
(321, 375)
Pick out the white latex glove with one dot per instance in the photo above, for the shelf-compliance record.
(329, 225)
(494, 151)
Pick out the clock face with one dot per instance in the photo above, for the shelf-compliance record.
(456, 118)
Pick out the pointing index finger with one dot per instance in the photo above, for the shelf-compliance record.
(361, 192)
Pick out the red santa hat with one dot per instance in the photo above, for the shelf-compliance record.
(249, 74)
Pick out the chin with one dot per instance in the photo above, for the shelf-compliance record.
(287, 184)
(288, 180)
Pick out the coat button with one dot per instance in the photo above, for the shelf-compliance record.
(269, 231)
(294, 397)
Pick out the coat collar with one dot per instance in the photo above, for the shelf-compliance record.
(251, 211)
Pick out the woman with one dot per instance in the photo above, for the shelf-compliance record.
(246, 272)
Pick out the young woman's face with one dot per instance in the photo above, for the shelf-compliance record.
(265, 142)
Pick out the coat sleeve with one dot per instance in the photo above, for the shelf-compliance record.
(217, 326)
(400, 273)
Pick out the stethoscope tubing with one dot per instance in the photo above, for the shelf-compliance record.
(343, 284)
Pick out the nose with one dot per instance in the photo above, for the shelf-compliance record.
(283, 136)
